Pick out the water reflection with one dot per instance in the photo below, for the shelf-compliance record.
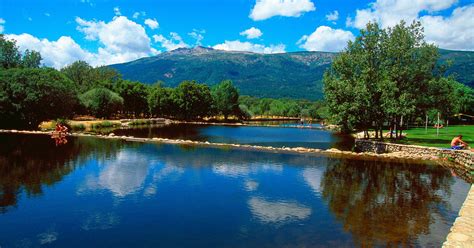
(31, 163)
(201, 197)
(277, 212)
(381, 206)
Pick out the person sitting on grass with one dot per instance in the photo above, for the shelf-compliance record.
(458, 144)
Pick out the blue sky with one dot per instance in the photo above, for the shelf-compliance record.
(105, 31)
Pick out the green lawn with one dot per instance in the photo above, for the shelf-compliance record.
(418, 136)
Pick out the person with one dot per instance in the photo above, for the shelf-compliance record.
(458, 144)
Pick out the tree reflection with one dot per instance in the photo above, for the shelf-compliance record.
(384, 204)
(30, 162)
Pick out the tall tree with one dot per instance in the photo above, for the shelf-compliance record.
(101, 102)
(192, 100)
(134, 95)
(226, 99)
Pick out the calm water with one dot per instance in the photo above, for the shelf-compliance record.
(106, 193)
(265, 136)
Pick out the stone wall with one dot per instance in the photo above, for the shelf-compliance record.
(463, 158)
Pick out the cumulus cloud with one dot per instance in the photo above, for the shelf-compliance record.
(122, 39)
(452, 32)
(57, 53)
(252, 33)
(2, 25)
(246, 46)
(152, 23)
(455, 31)
(173, 42)
(265, 9)
(333, 16)
(197, 35)
(326, 39)
(390, 12)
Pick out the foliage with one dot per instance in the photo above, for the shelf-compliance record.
(160, 102)
(192, 100)
(226, 99)
(102, 102)
(29, 96)
(134, 96)
(283, 107)
(386, 75)
(104, 124)
(87, 77)
(11, 57)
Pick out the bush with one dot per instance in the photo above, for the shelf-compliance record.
(104, 124)
(78, 127)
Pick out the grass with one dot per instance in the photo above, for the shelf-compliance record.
(418, 136)
(104, 124)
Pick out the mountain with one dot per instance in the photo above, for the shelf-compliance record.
(293, 74)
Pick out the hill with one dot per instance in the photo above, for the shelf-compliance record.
(292, 75)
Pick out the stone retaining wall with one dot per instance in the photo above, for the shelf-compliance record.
(463, 158)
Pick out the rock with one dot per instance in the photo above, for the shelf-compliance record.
(111, 134)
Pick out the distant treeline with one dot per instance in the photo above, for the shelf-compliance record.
(30, 94)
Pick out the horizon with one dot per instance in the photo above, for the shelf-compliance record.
(102, 32)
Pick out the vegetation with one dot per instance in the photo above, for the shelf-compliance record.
(283, 107)
(429, 137)
(387, 77)
(101, 102)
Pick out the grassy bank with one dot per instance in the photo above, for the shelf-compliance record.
(419, 136)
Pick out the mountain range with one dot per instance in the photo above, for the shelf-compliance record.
(292, 75)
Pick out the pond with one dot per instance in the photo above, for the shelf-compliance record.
(111, 193)
(252, 135)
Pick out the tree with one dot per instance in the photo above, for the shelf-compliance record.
(10, 57)
(160, 101)
(134, 96)
(192, 100)
(31, 59)
(102, 102)
(80, 72)
(226, 99)
(29, 96)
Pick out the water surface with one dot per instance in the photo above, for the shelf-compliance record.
(110, 193)
(288, 136)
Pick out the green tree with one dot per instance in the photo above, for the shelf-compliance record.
(10, 57)
(192, 100)
(226, 99)
(160, 101)
(134, 96)
(80, 72)
(31, 59)
(101, 102)
(29, 96)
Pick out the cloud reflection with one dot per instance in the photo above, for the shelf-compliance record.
(277, 211)
(312, 177)
(100, 221)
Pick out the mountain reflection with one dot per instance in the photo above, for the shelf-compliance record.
(380, 206)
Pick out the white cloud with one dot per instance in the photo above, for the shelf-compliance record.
(452, 32)
(122, 39)
(57, 53)
(265, 9)
(152, 23)
(390, 12)
(197, 35)
(117, 11)
(246, 46)
(326, 39)
(252, 33)
(138, 14)
(2, 25)
(333, 16)
(174, 42)
(47, 14)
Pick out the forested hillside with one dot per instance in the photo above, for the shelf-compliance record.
(293, 75)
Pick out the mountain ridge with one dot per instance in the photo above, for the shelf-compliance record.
(291, 74)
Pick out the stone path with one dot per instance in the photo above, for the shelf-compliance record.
(462, 231)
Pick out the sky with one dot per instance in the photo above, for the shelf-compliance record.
(103, 32)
